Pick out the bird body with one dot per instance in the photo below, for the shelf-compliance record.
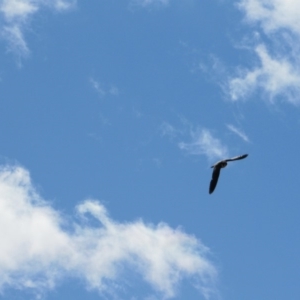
(217, 168)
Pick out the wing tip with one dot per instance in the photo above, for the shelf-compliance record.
(211, 189)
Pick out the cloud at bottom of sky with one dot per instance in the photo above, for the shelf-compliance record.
(40, 246)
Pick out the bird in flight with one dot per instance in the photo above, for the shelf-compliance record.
(217, 168)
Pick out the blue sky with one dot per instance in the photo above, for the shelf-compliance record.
(111, 114)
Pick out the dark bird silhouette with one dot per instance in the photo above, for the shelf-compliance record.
(217, 168)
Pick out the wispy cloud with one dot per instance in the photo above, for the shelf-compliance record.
(277, 73)
(166, 129)
(149, 3)
(16, 14)
(201, 140)
(238, 132)
(104, 91)
(14, 36)
(39, 246)
(203, 143)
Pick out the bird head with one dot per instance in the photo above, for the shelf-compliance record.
(220, 164)
(223, 164)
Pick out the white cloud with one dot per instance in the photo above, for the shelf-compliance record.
(148, 3)
(169, 130)
(276, 76)
(98, 86)
(21, 10)
(273, 14)
(278, 73)
(238, 132)
(203, 143)
(39, 246)
(17, 9)
(113, 90)
(16, 15)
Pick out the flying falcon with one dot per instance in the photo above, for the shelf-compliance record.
(217, 168)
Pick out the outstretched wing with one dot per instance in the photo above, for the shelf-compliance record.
(214, 179)
(237, 157)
